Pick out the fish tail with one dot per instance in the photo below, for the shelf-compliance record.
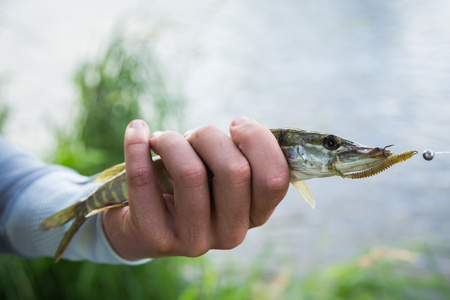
(68, 237)
(78, 212)
(62, 217)
(111, 194)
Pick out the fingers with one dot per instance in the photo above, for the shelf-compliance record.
(139, 230)
(142, 186)
(231, 185)
(191, 200)
(270, 173)
(222, 187)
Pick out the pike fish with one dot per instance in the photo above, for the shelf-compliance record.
(309, 155)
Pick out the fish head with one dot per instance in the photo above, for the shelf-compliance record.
(314, 155)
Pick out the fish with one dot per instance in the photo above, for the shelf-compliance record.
(309, 155)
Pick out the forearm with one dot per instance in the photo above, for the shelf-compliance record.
(30, 192)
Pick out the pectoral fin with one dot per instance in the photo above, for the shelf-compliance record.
(304, 190)
(96, 211)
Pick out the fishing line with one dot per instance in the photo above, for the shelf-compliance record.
(430, 153)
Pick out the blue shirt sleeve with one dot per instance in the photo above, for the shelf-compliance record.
(30, 191)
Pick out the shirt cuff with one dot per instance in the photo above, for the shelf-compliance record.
(42, 198)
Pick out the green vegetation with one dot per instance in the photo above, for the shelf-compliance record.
(191, 279)
(3, 116)
(42, 279)
(384, 277)
(4, 111)
(112, 92)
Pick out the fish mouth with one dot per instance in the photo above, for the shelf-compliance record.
(374, 152)
(358, 158)
(388, 160)
(363, 151)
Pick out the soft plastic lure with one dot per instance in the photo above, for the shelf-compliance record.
(391, 160)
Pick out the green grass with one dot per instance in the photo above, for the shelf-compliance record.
(382, 280)
(42, 279)
(189, 279)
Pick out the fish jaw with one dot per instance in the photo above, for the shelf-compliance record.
(303, 166)
(357, 158)
(316, 155)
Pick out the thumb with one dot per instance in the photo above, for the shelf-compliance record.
(141, 179)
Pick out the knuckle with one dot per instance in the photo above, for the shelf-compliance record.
(257, 220)
(196, 252)
(238, 172)
(193, 174)
(277, 185)
(259, 216)
(197, 249)
(192, 240)
(233, 241)
(139, 176)
(163, 246)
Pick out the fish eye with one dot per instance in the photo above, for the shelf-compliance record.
(331, 142)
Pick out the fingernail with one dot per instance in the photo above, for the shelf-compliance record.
(188, 133)
(137, 124)
(240, 121)
(156, 134)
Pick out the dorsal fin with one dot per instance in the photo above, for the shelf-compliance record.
(305, 191)
(109, 173)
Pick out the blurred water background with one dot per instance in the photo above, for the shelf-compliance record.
(376, 72)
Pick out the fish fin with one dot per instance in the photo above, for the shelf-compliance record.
(96, 211)
(80, 218)
(109, 173)
(305, 191)
(61, 217)
(68, 237)
(77, 212)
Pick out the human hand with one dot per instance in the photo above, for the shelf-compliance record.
(250, 178)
